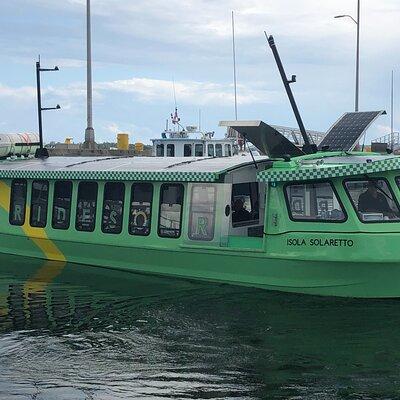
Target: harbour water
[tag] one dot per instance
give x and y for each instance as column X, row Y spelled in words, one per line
column 80, row 332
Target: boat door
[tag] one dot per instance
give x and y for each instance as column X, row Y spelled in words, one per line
column 209, row 211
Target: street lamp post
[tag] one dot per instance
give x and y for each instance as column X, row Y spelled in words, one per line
column 89, row 132
column 42, row 152
column 357, row 22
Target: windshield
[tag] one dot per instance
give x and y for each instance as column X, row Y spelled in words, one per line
column 373, row 200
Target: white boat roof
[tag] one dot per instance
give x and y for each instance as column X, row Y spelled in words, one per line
column 126, row 168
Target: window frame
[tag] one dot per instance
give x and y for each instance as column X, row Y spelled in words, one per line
column 160, row 146
column 185, row 146
column 181, row 214
column 170, row 146
column 122, row 211
column 95, row 209
column 12, row 198
column 191, row 213
column 210, row 145
column 53, row 205
column 219, row 146
column 151, row 207
column 196, row 146
column 369, row 179
column 47, row 204
column 323, row 221
column 250, row 222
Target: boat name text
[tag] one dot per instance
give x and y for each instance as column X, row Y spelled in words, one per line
column 320, row 242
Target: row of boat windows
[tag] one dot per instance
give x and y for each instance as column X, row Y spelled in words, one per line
column 372, row 199
column 197, row 150
column 141, row 198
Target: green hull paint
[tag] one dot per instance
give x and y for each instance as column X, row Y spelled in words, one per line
column 330, row 278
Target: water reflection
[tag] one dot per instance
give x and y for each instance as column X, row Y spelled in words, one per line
column 69, row 331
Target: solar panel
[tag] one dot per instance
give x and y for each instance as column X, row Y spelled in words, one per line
column 347, row 131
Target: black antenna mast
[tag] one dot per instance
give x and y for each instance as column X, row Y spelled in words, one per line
column 308, row 147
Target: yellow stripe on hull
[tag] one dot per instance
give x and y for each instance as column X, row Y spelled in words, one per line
column 44, row 276
column 37, row 235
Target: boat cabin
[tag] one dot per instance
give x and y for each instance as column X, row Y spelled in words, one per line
column 205, row 199
column 185, row 146
column 191, row 141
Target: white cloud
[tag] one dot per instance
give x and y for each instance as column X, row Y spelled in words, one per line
column 188, row 92
column 21, row 94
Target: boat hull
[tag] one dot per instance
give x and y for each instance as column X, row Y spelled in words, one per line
column 244, row 267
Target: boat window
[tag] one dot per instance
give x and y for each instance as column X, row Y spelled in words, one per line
column 18, row 202
column 202, row 213
column 140, row 212
column 245, row 204
column 210, row 148
column 187, row 150
column 170, row 217
column 198, row 150
column 62, row 204
column 218, row 150
column 373, row 200
column 113, row 207
column 39, row 202
column 160, row 150
column 314, row 202
column 170, row 150
column 228, row 151
column 86, row 207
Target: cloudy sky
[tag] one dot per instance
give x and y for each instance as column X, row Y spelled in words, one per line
column 141, row 46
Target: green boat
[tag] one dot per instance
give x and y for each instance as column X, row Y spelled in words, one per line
column 302, row 224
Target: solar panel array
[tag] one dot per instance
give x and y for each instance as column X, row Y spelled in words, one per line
column 345, row 133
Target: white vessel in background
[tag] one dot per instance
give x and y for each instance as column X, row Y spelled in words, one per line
column 18, row 144
column 191, row 141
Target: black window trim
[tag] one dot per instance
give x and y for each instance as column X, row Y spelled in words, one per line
column 122, row 211
column 95, row 209
column 161, row 146
column 151, row 207
column 250, row 222
column 196, row 146
column 170, row 146
column 208, row 150
column 368, row 178
column 53, row 204
column 322, row 221
column 182, row 211
column 188, row 145
column 12, row 198
column 47, row 204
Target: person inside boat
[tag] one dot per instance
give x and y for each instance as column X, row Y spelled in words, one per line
column 374, row 201
column 239, row 213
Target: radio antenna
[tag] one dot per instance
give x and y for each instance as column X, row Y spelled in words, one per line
column 173, row 87
column 308, row 147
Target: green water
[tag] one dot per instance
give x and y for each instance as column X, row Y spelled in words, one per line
column 79, row 332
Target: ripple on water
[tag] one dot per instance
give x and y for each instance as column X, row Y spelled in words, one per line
column 99, row 334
